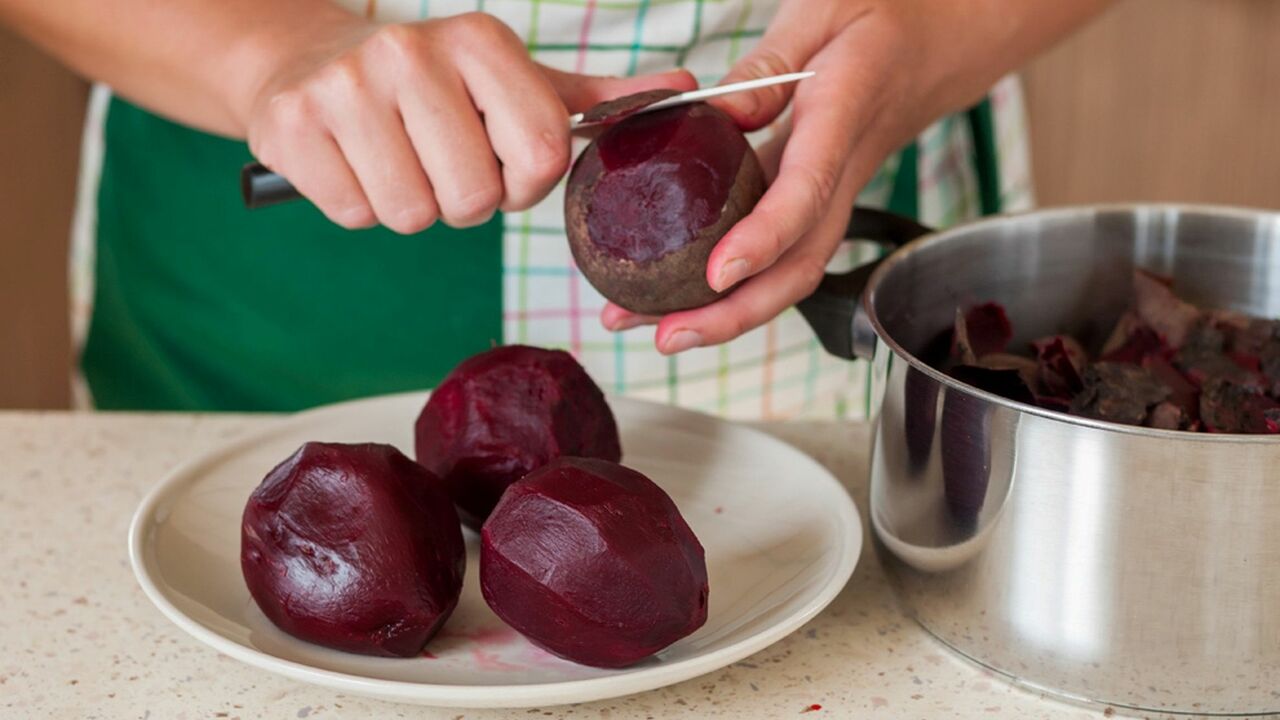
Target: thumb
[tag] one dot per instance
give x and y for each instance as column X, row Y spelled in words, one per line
column 581, row 92
column 787, row 46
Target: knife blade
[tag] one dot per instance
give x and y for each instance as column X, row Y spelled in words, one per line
column 576, row 120
column 260, row 187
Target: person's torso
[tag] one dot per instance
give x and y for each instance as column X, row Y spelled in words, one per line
column 199, row 304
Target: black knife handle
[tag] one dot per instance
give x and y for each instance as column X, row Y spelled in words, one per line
column 262, row 188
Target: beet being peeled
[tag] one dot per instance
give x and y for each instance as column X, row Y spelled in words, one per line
column 593, row 562
column 504, row 413
column 648, row 200
column 354, row 547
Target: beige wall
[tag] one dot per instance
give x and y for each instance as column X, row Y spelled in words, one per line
column 1159, row 100
column 1162, row 100
column 41, row 107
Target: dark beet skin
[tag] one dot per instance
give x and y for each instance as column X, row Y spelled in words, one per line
column 354, row 547
column 1118, row 392
column 593, row 562
column 1182, row 393
column 504, row 413
column 649, row 199
column 1229, row 407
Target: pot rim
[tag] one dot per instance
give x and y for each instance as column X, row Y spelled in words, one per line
column 939, row 236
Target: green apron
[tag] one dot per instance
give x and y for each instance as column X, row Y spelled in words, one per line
column 200, row 304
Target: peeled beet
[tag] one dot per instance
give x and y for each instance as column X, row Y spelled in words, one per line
column 354, row 547
column 593, row 562
column 649, row 199
column 504, row 413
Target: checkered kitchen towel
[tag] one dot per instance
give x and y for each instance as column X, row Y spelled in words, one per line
column 776, row 371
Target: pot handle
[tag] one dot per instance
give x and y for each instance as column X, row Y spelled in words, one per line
column 834, row 310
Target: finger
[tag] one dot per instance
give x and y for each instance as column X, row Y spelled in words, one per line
column 527, row 129
column 450, row 142
column 812, row 164
column 581, row 92
column 794, row 36
column 757, row 301
column 375, row 144
column 618, row 319
column 313, row 163
column 764, row 296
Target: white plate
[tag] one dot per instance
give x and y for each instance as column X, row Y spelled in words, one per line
column 782, row 538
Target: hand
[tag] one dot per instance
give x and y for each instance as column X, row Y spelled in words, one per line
column 885, row 70
column 406, row 124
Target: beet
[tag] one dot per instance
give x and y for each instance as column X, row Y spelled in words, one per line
column 648, row 200
column 1059, row 362
column 1182, row 393
column 989, row 329
column 1168, row 416
column 1160, row 309
column 354, row 547
column 1121, row 333
column 504, row 413
column 1251, row 336
column 1140, row 343
column 1203, row 356
column 593, row 562
column 1229, row 407
column 1119, row 393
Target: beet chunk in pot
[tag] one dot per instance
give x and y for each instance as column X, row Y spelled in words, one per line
column 1118, row 392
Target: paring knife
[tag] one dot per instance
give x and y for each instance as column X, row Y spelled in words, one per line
column 260, row 187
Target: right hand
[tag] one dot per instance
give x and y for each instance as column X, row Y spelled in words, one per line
column 406, row 124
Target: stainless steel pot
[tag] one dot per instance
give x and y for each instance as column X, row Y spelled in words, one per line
column 1121, row 565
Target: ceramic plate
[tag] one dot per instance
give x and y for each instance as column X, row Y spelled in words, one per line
column 781, row 536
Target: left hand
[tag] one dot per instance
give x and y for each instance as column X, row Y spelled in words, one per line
column 885, row 70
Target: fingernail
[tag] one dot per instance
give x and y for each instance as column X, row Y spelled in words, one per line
column 682, row 340
column 732, row 273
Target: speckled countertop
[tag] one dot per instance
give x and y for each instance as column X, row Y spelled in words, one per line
column 79, row 640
